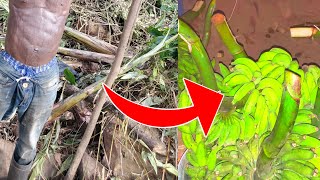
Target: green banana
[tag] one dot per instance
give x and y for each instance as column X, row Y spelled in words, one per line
column 261, row 105
column 212, row 159
column 214, row 133
column 243, row 69
column 290, row 175
column 304, row 129
column 294, row 66
column 267, row 56
column 271, row 83
column 237, row 80
column 233, row 91
column 279, row 50
column 263, row 124
column 251, row 102
column 282, row 59
column 248, row 62
column 263, row 63
column 250, row 124
column 243, row 91
column 298, row 154
column 277, row 72
column 223, row 168
column 299, row 168
column 234, row 133
column 224, row 70
column 189, row 141
column 201, row 154
column 265, row 70
column 272, row 100
column 192, row 159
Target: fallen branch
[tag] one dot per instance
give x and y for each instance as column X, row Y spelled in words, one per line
column 91, row 42
column 115, row 69
column 88, row 55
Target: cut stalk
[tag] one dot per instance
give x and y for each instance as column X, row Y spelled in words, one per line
column 207, row 23
column 199, row 55
column 304, row 32
column 193, row 13
column 219, row 21
column 287, row 114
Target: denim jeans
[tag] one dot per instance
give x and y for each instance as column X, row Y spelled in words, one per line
column 30, row 92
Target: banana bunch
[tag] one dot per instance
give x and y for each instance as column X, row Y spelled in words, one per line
column 310, row 86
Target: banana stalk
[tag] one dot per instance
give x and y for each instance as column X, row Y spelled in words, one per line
column 219, row 21
column 194, row 12
column 207, row 23
column 199, row 55
column 284, row 124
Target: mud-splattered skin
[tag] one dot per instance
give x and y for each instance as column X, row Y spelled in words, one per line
column 35, row 28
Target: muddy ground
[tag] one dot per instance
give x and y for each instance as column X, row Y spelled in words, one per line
column 260, row 25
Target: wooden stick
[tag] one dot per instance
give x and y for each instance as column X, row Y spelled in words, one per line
column 91, row 42
column 115, row 69
column 86, row 55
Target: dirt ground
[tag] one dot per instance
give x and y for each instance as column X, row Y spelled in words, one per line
column 260, row 25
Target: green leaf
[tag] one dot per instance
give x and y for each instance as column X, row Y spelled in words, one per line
column 69, row 76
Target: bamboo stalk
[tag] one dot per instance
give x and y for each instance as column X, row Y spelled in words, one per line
column 199, row 55
column 87, row 55
column 304, row 32
column 219, row 21
column 207, row 23
column 72, row 100
column 193, row 13
column 91, row 42
column 285, row 121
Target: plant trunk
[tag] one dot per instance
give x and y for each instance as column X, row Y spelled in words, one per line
column 199, row 55
column 285, row 121
column 193, row 13
column 219, row 21
column 207, row 23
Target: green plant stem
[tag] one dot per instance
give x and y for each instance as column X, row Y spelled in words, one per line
column 207, row 23
column 199, row 55
column 287, row 114
column 220, row 23
column 193, row 13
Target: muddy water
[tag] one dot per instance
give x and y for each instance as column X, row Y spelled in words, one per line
column 262, row 24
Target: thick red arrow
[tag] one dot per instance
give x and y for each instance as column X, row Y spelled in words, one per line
column 206, row 103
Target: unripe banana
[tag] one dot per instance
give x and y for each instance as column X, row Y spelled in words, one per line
column 243, row 91
column 243, row 69
column 248, row 62
column 189, row 141
column 272, row 100
column 193, row 126
column 212, row 158
column 272, row 120
column 290, row 175
column 246, row 153
column 311, row 81
column 265, row 70
column 237, row 171
column 304, row 129
column 233, row 91
column 299, row 168
column 282, row 59
column 251, row 102
column 234, row 133
column 192, row 159
column 201, row 154
column 237, row 80
column 263, row 124
column 184, row 100
column 277, row 72
column 242, row 125
column 267, row 56
column 224, row 70
column 223, row 136
column 294, row 66
column 250, row 124
column 298, row 154
column 261, row 105
column 315, row 70
column 271, row 83
column 263, row 63
column 254, row 146
column 215, row 132
column 279, row 50
column 310, row 142
column 223, row 168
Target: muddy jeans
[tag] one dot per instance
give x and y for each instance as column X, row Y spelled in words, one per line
column 30, row 92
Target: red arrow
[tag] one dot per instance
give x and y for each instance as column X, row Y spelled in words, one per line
column 206, row 103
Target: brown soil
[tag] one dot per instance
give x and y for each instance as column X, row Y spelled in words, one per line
column 260, row 25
